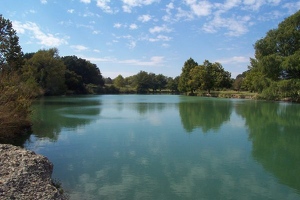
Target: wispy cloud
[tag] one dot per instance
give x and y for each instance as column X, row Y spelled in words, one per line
column 292, row 7
column 70, row 11
column 44, row 1
column 159, row 29
column 234, row 59
column 153, row 61
column 79, row 48
column 201, row 8
column 235, row 25
column 85, row 1
column 133, row 26
column 104, row 5
column 33, row 29
column 129, row 4
column 160, row 38
column 144, row 18
column 117, row 25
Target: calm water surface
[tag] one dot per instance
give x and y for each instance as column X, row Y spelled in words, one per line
column 169, row 147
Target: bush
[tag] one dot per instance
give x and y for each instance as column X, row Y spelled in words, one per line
column 15, row 101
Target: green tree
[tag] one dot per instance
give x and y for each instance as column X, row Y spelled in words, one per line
column 185, row 76
column 172, row 84
column 89, row 72
column 209, row 76
column 277, row 58
column 142, row 82
column 11, row 55
column 119, row 81
column 161, row 81
column 16, row 92
column 48, row 70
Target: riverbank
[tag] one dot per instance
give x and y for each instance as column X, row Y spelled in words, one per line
column 26, row 175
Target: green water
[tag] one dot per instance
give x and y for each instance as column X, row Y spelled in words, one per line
column 169, row 147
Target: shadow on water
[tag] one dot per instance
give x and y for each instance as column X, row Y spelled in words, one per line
column 50, row 115
column 274, row 132
column 205, row 114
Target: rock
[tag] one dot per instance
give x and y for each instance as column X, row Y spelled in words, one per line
column 26, row 175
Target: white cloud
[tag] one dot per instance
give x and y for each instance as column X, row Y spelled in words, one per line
column 129, row 4
column 292, row 7
column 79, row 47
column 85, row 1
column 103, row 4
column 131, row 44
column 45, row 39
column 234, row 59
column 159, row 29
column 144, row 18
column 154, row 61
column 160, row 38
column 117, row 25
column 70, row 11
column 133, row 26
column 235, row 26
column 43, row 1
column 202, row 8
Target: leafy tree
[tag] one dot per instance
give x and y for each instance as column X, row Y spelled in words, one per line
column 119, row 81
column 172, row 84
column 277, row 58
column 48, row 70
column 185, row 76
column 209, row 76
column 161, row 81
column 16, row 92
column 142, row 82
column 10, row 50
column 89, row 72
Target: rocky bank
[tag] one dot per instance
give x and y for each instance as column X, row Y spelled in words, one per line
column 26, row 175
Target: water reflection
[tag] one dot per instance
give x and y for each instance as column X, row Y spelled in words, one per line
column 204, row 113
column 137, row 147
column 50, row 115
column 274, row 132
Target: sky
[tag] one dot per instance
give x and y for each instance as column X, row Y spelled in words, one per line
column 124, row 37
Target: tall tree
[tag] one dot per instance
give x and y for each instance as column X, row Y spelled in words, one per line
column 185, row 76
column 48, row 70
column 278, row 53
column 10, row 50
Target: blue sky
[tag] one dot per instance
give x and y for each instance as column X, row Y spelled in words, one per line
column 127, row 36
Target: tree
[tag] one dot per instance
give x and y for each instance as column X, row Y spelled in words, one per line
column 277, row 54
column 161, row 81
column 209, row 76
column 48, row 70
column 119, row 81
column 185, row 76
column 142, row 82
column 172, row 84
column 89, row 72
column 10, row 50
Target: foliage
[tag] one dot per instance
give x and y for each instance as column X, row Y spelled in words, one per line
column 86, row 72
column 277, row 62
column 185, row 76
column 204, row 77
column 119, row 81
column 10, row 50
column 48, row 70
column 15, row 102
